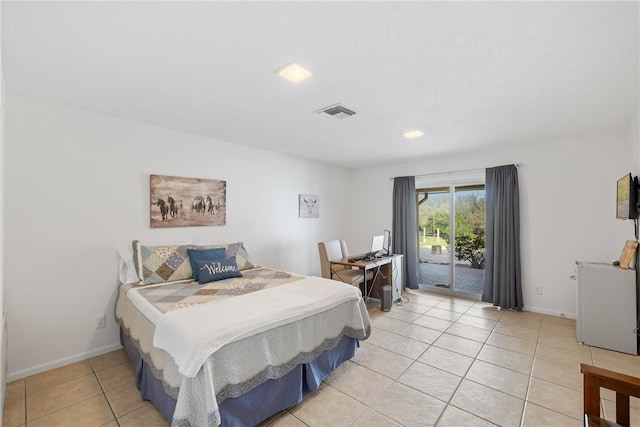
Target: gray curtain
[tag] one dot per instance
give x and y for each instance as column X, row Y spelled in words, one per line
column 502, row 281
column 405, row 227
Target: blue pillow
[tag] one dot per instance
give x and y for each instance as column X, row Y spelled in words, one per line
column 204, row 255
column 217, row 269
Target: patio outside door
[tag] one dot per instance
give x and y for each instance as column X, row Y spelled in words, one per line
column 451, row 238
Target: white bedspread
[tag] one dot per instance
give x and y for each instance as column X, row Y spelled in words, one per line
column 193, row 334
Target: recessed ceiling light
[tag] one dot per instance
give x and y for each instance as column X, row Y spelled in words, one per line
column 412, row 134
column 294, row 73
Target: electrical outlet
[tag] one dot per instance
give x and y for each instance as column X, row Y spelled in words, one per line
column 538, row 290
column 101, row 322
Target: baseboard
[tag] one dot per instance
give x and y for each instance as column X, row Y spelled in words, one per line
column 551, row 312
column 12, row 376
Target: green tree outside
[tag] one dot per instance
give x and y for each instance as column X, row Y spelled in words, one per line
column 470, row 223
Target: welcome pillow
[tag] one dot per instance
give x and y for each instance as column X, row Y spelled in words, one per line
column 217, row 269
column 204, row 255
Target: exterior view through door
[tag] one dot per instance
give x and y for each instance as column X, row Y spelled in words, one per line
column 451, row 234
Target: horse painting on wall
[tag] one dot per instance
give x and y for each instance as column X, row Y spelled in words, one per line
column 187, row 202
column 309, row 206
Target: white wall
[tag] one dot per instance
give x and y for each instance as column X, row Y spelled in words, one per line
column 77, row 188
column 567, row 188
column 634, row 140
column 2, row 114
column 77, row 185
column 3, row 338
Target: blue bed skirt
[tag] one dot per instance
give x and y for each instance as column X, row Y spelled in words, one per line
column 258, row 404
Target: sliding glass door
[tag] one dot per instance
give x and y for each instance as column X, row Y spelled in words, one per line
column 434, row 249
column 451, row 238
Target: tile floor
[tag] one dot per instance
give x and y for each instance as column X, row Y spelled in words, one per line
column 433, row 360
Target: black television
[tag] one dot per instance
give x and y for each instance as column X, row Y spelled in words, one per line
column 627, row 197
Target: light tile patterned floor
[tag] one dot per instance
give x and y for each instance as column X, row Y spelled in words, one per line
column 433, row 360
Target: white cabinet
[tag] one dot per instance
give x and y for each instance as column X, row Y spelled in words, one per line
column 607, row 307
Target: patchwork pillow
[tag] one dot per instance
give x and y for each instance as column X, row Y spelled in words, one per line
column 217, row 269
column 157, row 264
column 204, row 255
column 237, row 250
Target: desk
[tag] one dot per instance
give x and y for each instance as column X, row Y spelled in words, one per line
column 386, row 271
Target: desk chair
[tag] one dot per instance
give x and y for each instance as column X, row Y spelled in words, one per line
column 337, row 249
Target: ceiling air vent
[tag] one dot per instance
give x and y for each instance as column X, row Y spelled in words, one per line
column 338, row 111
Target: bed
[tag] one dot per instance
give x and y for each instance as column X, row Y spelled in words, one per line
column 232, row 351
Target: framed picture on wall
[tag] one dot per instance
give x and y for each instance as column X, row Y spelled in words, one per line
column 309, row 206
column 187, row 202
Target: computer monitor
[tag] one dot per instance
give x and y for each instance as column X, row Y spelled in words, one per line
column 377, row 244
column 386, row 246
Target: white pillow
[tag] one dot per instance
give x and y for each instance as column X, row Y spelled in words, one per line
column 127, row 272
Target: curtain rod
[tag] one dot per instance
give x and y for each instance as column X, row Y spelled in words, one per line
column 519, row 164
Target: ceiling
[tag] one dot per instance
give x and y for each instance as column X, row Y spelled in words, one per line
column 470, row 75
